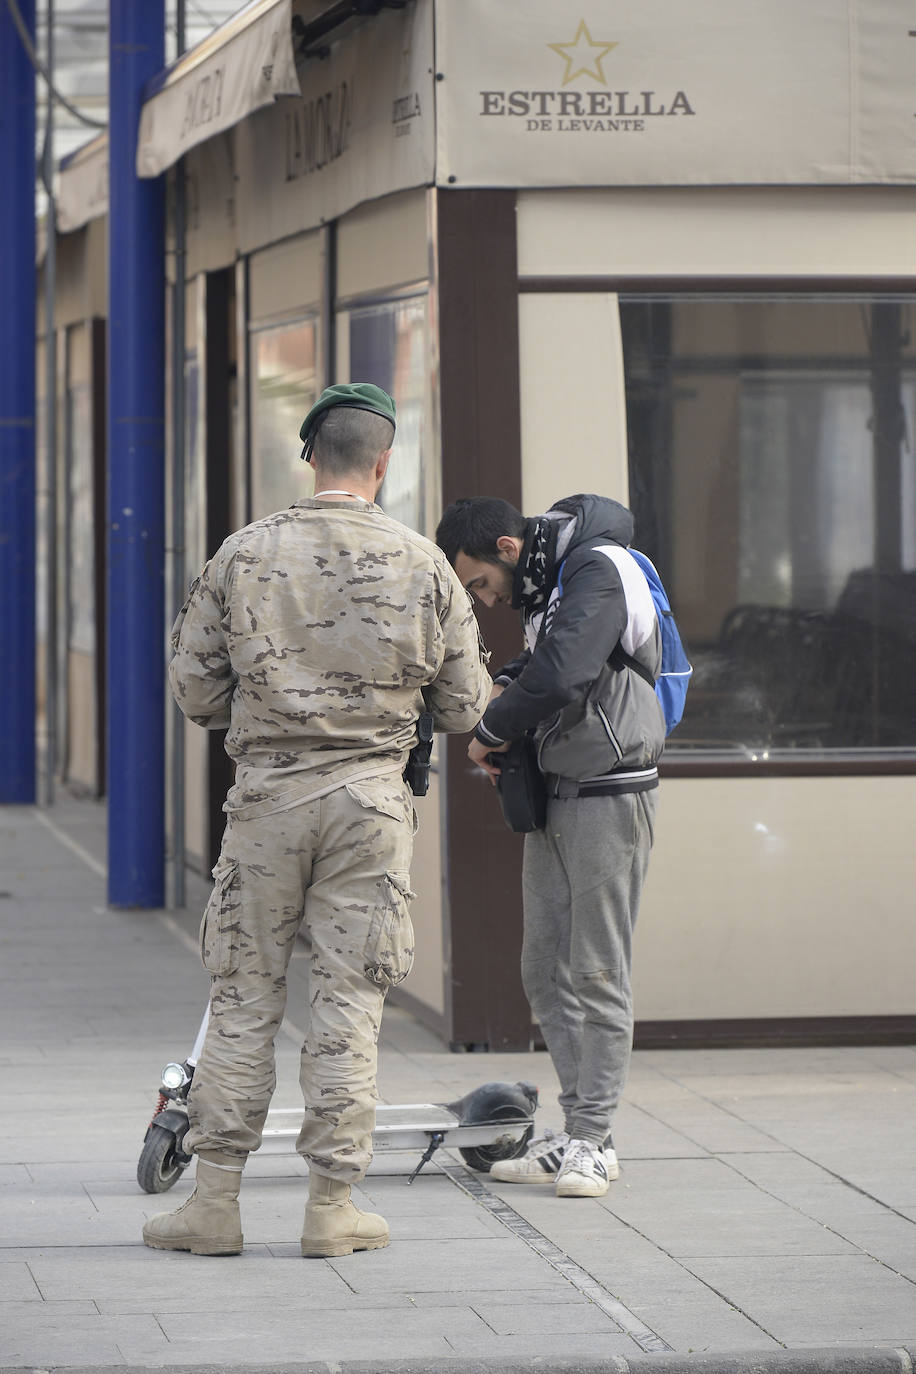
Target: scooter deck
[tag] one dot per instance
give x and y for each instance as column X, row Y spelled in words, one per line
column 405, row 1126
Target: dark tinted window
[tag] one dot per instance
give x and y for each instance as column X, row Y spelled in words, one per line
column 772, row 479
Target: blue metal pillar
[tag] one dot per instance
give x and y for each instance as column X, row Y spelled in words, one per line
column 136, row 480
column 17, row 409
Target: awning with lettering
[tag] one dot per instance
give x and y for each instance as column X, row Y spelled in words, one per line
column 82, row 190
column 363, row 127
column 659, row 93
column 242, row 66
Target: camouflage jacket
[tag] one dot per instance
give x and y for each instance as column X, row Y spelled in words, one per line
column 316, row 635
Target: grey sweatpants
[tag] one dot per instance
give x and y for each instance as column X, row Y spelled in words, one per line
column 583, row 876
column 337, row 866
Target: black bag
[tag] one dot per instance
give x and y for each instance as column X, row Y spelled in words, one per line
column 522, row 790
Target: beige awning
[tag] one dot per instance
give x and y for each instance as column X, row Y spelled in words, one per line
column 242, row 66
column 82, row 192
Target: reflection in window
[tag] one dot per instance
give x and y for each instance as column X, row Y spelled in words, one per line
column 388, row 346
column 772, row 480
column 81, row 617
column 284, row 388
column 195, row 495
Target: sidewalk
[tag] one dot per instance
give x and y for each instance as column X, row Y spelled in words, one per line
column 765, row 1218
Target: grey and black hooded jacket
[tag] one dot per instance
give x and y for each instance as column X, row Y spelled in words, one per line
column 598, row 725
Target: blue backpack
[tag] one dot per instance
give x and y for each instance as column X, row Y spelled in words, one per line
column 674, row 678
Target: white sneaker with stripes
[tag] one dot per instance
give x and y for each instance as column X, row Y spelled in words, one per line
column 539, row 1164
column 586, row 1170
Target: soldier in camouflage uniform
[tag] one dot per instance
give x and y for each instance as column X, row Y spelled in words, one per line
column 317, row 635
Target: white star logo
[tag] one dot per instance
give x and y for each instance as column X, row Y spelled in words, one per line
column 583, row 56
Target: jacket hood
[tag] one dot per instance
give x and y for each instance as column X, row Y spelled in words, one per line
column 585, row 517
column 551, row 537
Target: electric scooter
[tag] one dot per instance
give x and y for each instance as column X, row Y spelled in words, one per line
column 492, row 1122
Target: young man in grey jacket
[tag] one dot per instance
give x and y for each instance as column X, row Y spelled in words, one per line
column 588, row 617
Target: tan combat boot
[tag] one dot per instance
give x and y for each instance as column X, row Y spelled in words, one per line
column 209, row 1222
column 334, row 1225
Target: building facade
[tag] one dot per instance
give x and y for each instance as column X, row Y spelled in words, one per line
column 664, row 256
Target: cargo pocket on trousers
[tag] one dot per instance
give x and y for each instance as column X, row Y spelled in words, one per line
column 389, row 943
column 219, row 929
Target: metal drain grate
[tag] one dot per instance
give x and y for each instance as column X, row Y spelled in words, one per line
column 589, row 1287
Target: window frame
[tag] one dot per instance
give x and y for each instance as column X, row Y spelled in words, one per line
column 287, row 319
column 712, row 763
column 420, row 290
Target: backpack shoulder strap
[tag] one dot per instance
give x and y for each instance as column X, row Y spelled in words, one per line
column 621, row 659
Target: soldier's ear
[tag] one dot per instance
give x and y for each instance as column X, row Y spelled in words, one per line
column 381, row 466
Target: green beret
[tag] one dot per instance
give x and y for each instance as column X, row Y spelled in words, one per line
column 353, row 395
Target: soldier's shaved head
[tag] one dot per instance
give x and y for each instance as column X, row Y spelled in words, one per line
column 351, row 441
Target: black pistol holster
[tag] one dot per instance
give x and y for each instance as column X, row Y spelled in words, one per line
column 416, row 772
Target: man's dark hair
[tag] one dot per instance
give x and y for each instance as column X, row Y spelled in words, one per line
column 350, row 441
column 473, row 525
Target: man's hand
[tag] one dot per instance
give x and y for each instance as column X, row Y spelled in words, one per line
column 478, row 753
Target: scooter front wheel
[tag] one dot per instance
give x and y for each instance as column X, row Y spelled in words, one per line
column 161, row 1162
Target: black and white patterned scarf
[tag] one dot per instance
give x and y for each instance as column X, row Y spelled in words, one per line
column 534, row 570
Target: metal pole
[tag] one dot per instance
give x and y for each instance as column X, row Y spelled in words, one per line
column 179, row 571
column 136, row 498
column 52, row 665
column 17, row 409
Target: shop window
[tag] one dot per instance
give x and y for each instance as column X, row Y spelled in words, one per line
column 388, row 346
column 773, row 480
column 195, row 501
column 284, row 387
column 81, row 582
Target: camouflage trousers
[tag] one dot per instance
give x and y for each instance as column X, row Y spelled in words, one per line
column 337, row 867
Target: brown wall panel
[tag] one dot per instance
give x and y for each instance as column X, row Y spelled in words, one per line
column 100, row 478
column 218, row 355
column 481, row 456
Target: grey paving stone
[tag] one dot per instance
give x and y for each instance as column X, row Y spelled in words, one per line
column 701, row 1134
column 655, row 1287
column 162, row 1275
column 536, row 1319
column 13, row 1177
column 682, row 1309
column 65, row 884
column 16, row 1282
column 14, row 1060
column 692, row 1207
column 698, row 1067
column 534, row 1350
column 639, row 1134
column 292, row 1295
column 893, row 1183
column 781, row 1172
column 556, row 1292
column 45, row 1316
column 381, row 1349
column 137, row 1338
column 432, row 1265
column 473, row 1225
column 250, row 1323
column 88, row 1230
column 709, row 1128
column 890, row 1239
column 41, row 1349
column 825, row 1299
column 752, row 1226
column 831, row 1202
